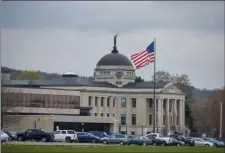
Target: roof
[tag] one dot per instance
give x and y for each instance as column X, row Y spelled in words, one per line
column 78, row 82
column 5, row 70
column 114, row 59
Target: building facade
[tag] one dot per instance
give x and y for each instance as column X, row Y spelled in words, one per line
column 111, row 101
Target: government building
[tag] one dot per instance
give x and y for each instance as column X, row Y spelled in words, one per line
column 110, row 101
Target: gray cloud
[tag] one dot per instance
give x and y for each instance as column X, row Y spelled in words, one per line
column 62, row 36
column 116, row 16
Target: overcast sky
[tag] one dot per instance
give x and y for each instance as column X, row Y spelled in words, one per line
column 63, row 36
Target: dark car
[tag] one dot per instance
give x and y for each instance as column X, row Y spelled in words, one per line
column 216, row 143
column 175, row 142
column 35, row 134
column 99, row 134
column 179, row 137
column 139, row 140
column 12, row 135
column 87, row 137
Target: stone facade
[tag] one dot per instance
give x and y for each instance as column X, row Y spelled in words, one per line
column 108, row 105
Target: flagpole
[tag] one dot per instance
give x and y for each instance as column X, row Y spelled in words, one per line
column 154, row 103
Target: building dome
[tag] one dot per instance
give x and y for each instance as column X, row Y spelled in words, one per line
column 69, row 74
column 114, row 59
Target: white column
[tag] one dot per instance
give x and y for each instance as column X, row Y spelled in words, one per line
column 160, row 111
column 174, row 112
column 183, row 112
column 111, row 109
column 180, row 113
column 167, row 115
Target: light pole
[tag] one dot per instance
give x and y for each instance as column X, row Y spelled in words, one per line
column 35, row 123
column 221, row 118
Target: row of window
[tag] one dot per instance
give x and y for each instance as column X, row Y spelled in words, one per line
column 102, row 114
column 133, row 120
column 108, row 73
column 123, row 102
column 150, row 101
column 40, row 100
column 123, row 119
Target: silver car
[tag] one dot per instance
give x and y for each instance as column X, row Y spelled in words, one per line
column 203, row 143
column 115, row 139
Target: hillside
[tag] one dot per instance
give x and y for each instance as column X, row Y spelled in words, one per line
column 200, row 95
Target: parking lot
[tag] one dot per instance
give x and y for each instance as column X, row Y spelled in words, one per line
column 52, row 143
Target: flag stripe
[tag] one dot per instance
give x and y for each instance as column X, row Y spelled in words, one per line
column 141, row 56
column 144, row 57
column 148, row 60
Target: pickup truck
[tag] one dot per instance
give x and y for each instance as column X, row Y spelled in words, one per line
column 156, row 136
column 35, row 134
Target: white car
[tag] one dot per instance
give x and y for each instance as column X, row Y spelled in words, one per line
column 65, row 136
column 4, row 137
column 203, row 143
column 157, row 136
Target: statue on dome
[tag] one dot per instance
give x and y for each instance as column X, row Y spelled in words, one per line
column 115, row 40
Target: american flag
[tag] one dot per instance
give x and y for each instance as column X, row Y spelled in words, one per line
column 144, row 57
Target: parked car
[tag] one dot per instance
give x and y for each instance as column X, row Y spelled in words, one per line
column 179, row 137
column 35, row 134
column 157, row 142
column 4, row 137
column 99, row 134
column 116, row 139
column 139, row 140
column 12, row 135
column 201, row 142
column 87, row 137
column 216, row 143
column 175, row 142
column 157, row 136
column 65, row 136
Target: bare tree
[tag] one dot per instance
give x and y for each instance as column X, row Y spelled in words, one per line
column 9, row 108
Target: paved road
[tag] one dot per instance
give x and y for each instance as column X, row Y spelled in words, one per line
column 52, row 143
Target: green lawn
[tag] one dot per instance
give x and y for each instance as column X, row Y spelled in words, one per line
column 9, row 148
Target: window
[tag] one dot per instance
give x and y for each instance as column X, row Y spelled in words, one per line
column 113, row 115
column 121, row 136
column 164, row 119
column 102, row 101
column 164, row 104
column 150, row 100
column 133, row 119
column 89, row 101
column 108, row 101
column 102, row 114
column 57, row 132
column 123, row 119
column 132, row 133
column 96, row 114
column 150, row 119
column 170, row 106
column 157, row 104
column 96, row 101
column 133, row 102
column 107, row 114
column 63, row 132
column 70, row 132
column 123, row 102
column 114, row 102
